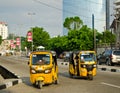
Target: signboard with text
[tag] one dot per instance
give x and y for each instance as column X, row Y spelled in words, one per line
column 18, row 41
column 29, row 36
column 12, row 45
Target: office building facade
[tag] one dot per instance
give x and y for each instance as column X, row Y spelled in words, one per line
column 3, row 30
column 85, row 9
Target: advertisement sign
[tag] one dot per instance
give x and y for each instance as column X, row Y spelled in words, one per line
column 18, row 41
column 29, row 36
column 12, row 45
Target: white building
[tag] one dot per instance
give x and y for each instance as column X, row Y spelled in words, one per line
column 3, row 30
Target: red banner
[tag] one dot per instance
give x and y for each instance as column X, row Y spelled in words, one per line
column 18, row 41
column 29, row 36
column 12, row 44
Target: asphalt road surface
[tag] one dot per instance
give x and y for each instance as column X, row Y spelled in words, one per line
column 103, row 82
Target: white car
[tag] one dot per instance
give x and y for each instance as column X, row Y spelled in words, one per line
column 109, row 57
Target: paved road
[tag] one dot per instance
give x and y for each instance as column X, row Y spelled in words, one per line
column 104, row 82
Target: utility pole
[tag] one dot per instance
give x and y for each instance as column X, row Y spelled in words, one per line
column 107, row 15
column 31, row 14
column 94, row 34
column 20, row 26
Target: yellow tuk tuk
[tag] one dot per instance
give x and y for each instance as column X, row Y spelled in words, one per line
column 83, row 64
column 43, row 68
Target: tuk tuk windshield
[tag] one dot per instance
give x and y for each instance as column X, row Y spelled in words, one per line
column 40, row 59
column 88, row 57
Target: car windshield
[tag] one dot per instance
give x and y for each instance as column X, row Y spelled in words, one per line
column 87, row 57
column 116, row 52
column 40, row 59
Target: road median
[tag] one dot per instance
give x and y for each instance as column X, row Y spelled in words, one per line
column 7, row 78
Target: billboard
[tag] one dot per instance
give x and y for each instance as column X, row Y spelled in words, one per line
column 12, row 45
column 29, row 36
column 18, row 41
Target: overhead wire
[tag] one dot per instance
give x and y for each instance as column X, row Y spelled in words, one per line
column 82, row 9
column 38, row 1
column 92, row 2
column 71, row 12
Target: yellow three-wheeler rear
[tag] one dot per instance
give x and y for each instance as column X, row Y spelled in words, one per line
column 83, row 64
column 43, row 68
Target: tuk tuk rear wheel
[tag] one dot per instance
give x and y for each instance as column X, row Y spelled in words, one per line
column 40, row 85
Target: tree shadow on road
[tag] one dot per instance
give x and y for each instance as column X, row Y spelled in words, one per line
column 26, row 80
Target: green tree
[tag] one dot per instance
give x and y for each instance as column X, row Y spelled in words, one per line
column 40, row 38
column 108, row 37
column 73, row 23
column 80, row 39
column 58, row 44
column 23, row 43
column 0, row 40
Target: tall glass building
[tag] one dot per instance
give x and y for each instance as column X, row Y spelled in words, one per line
column 84, row 9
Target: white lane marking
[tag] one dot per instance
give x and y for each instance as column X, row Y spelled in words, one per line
column 110, row 85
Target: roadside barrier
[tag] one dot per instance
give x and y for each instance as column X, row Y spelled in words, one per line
column 99, row 68
column 10, row 79
column 109, row 69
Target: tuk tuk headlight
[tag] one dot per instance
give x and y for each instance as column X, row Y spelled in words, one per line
column 84, row 66
column 33, row 71
column 47, row 71
column 94, row 65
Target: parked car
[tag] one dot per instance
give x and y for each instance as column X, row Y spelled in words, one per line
column 109, row 57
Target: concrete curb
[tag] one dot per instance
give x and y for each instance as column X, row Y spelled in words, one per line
column 10, row 83
column 99, row 68
column 10, row 78
column 109, row 69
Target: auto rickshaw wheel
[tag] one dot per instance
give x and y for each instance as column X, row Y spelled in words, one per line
column 90, row 77
column 40, row 85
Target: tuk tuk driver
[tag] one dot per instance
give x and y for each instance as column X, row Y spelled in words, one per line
column 41, row 62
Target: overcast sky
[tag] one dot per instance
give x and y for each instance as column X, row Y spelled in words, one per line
column 44, row 13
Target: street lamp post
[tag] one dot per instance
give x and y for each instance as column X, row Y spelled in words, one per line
column 20, row 26
column 94, row 34
column 31, row 14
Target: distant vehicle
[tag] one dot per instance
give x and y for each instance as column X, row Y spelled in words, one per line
column 109, row 57
column 66, row 56
column 83, row 64
column 2, row 53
